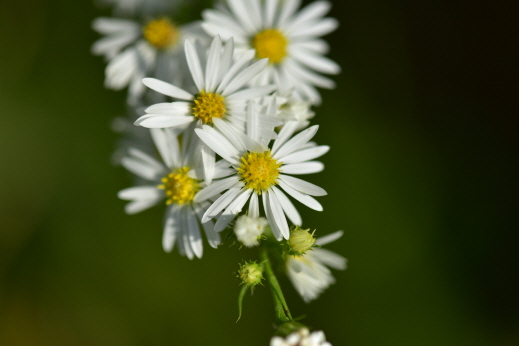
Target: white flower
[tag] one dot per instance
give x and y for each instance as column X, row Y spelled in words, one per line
column 220, row 93
column 248, row 229
column 288, row 37
column 135, row 50
column 309, row 273
column 176, row 179
column 141, row 7
column 256, row 170
column 302, row 337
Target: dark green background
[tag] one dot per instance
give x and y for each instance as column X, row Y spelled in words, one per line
column 421, row 177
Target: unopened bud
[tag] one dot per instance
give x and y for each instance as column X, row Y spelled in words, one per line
column 249, row 229
column 300, row 241
column 251, row 273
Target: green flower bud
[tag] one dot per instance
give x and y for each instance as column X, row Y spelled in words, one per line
column 251, row 273
column 300, row 241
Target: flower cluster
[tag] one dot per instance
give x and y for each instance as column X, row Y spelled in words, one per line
column 221, row 109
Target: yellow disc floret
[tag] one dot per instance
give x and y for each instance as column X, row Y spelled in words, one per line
column 161, row 33
column 272, row 44
column 208, row 106
column 179, row 187
column 259, row 171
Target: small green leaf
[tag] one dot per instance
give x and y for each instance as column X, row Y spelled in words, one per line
column 240, row 300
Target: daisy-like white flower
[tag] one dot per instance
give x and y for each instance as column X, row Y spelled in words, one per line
column 309, row 273
column 302, row 337
column 176, row 180
column 135, row 50
column 141, row 7
column 287, row 37
column 256, row 172
column 220, row 93
column 248, row 229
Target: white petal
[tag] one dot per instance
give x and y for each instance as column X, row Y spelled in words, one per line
column 254, row 206
column 277, row 213
column 167, row 147
column 307, row 200
column 305, row 154
column 270, row 12
column 234, row 208
column 138, row 206
column 329, row 238
column 195, row 239
column 177, row 108
column 220, row 204
column 245, row 76
column 167, row 89
column 162, row 120
column 310, row 12
column 296, row 142
column 242, row 60
column 212, row 68
column 219, row 144
column 286, row 132
column 320, row 28
column 194, row 65
column 171, row 227
column 251, row 93
column 288, row 207
column 212, row 237
column 287, row 10
column 108, row 25
column 147, row 159
column 242, row 14
column 142, row 169
column 215, row 188
column 208, row 163
column 268, row 212
column 330, row 258
column 141, row 193
column 316, row 62
column 303, row 186
column 235, row 138
column 308, row 167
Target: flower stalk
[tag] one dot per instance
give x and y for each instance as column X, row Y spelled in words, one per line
column 280, row 305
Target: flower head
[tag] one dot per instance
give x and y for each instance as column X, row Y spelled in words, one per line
column 300, row 241
column 175, row 180
column 257, row 170
column 251, row 273
column 302, row 337
column 287, row 36
column 309, row 273
column 248, row 229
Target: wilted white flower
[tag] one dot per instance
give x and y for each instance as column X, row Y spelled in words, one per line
column 136, row 50
column 309, row 273
column 248, row 229
column 288, row 37
column 302, row 337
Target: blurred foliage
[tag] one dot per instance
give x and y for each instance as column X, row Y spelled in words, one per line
column 420, row 178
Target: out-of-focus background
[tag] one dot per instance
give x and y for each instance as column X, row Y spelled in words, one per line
column 421, row 177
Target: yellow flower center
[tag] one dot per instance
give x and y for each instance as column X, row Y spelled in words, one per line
column 179, row 187
column 259, row 171
column 272, row 44
column 208, row 106
column 161, row 33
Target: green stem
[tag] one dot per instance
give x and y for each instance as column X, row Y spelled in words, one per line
column 280, row 305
